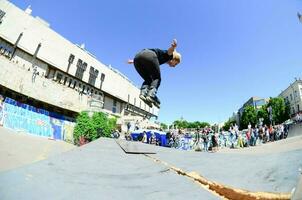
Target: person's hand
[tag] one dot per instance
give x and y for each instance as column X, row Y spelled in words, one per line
column 174, row 43
column 130, row 61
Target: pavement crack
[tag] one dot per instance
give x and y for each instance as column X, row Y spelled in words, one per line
column 221, row 190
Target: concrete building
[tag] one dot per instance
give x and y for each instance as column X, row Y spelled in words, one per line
column 40, row 67
column 293, row 95
column 256, row 102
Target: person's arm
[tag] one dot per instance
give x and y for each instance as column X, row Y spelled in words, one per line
column 173, row 47
column 130, row 61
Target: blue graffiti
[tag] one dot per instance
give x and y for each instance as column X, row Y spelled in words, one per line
column 23, row 117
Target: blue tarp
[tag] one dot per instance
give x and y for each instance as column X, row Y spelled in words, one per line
column 161, row 136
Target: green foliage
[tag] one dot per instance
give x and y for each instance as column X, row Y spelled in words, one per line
column 163, row 126
column 180, row 124
column 204, row 124
column 186, row 124
column 280, row 110
column 249, row 115
column 93, row 128
column 262, row 113
column 228, row 124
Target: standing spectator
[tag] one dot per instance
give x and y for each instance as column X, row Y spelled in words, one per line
column 205, row 141
column 267, row 135
column 282, row 131
column 252, row 137
column 248, row 136
column 240, row 141
column 232, row 137
column 256, row 136
column 271, row 133
column 152, row 139
column 144, row 139
column 214, row 142
column 35, row 73
column 136, row 125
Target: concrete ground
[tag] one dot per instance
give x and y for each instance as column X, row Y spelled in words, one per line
column 102, row 170
column 19, row 149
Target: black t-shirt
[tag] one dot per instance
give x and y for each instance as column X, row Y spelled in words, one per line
column 162, row 55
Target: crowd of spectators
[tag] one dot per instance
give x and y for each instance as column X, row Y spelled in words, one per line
column 208, row 140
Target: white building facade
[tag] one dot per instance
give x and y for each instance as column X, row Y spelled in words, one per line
column 293, row 95
column 39, row 64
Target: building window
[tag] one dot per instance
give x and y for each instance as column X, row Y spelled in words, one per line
column 93, row 74
column 70, row 82
column 81, row 67
column 74, row 84
column 287, row 101
column 79, row 87
column 59, row 77
column 83, row 90
column 296, row 94
column 65, row 80
column 293, row 110
column 2, row 13
column 114, row 106
column 71, row 58
column 291, row 97
column 298, row 108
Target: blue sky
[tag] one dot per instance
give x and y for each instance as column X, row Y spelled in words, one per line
column 232, row 49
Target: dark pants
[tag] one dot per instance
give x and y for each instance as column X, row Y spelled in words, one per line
column 147, row 65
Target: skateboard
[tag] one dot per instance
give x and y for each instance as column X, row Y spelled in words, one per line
column 149, row 103
column 146, row 102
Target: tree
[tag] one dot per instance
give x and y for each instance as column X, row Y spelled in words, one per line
column 204, row 124
column 99, row 125
column 280, row 110
column 186, row 124
column 228, row 124
column 262, row 113
column 249, row 115
column 181, row 124
column 163, row 126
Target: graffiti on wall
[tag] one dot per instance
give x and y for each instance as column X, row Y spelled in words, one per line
column 23, row 117
column 1, row 110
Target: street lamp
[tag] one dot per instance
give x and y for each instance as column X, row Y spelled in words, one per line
column 261, row 121
column 270, row 112
column 299, row 17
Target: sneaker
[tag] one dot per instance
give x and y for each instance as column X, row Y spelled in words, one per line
column 144, row 92
column 151, row 97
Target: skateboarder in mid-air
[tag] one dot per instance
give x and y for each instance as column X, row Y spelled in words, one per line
column 147, row 64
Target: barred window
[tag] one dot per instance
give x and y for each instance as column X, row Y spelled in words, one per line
column 81, row 67
column 114, row 106
column 2, row 13
column 93, row 74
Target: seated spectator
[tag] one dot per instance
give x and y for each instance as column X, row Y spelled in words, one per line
column 144, row 139
column 152, row 139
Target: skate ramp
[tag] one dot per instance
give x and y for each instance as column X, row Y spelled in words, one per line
column 98, row 170
column 132, row 147
column 102, row 170
column 298, row 190
column 295, row 130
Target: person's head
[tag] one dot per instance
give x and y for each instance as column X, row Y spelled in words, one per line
column 175, row 60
